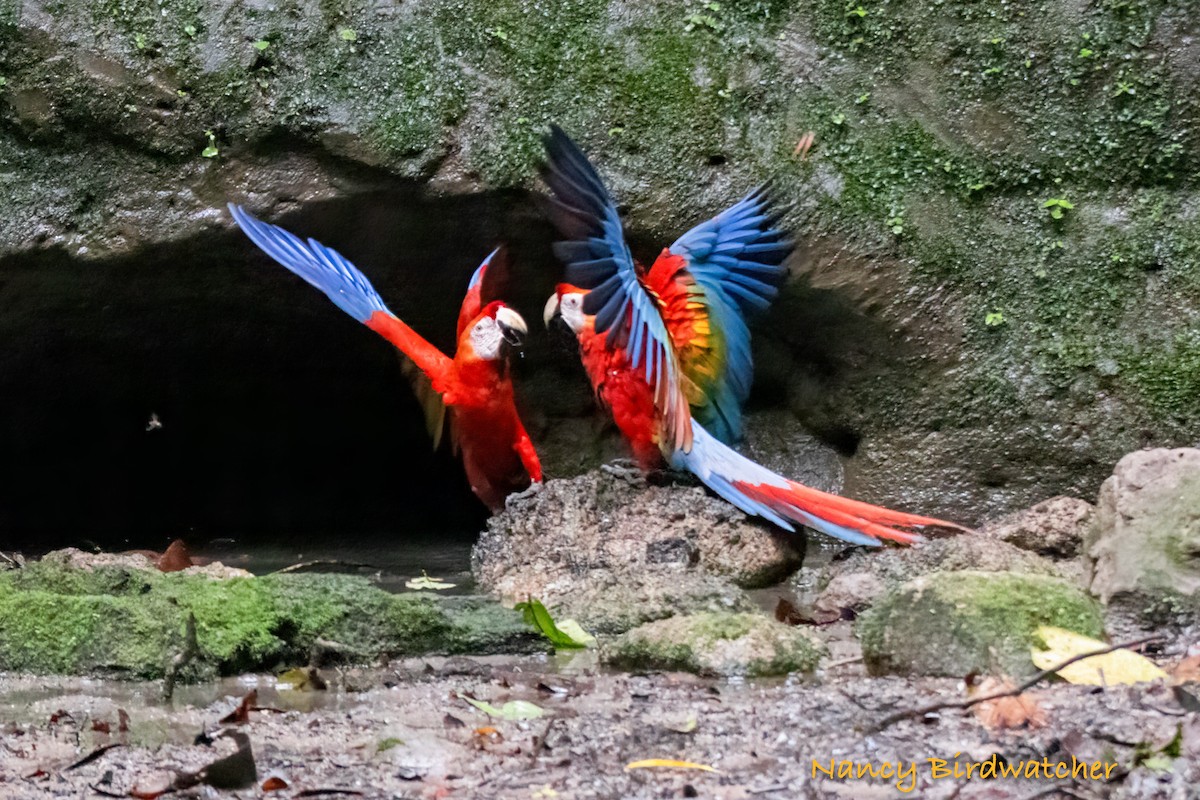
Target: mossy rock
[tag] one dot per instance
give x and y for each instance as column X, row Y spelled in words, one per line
column 715, row 643
column 954, row 623
column 125, row 622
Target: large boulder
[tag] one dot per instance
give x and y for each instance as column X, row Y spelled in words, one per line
column 617, row 550
column 1144, row 548
column 858, row 578
column 954, row 623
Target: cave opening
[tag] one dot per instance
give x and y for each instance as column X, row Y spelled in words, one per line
column 282, row 419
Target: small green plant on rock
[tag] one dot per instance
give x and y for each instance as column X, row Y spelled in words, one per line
column 210, row 151
column 701, row 19
column 1058, row 206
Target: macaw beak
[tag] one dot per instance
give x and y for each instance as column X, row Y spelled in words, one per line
column 512, row 326
column 551, row 310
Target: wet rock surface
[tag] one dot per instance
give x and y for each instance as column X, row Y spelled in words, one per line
column 1053, row 528
column 747, row 645
column 1144, row 548
column 615, row 550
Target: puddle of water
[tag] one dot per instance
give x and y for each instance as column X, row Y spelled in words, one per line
column 386, row 565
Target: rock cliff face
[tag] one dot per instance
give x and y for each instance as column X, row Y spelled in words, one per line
column 995, row 294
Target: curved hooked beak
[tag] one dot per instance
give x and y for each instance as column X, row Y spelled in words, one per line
column 512, row 326
column 551, row 310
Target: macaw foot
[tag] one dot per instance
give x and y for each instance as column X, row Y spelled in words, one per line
column 517, row 497
column 626, row 469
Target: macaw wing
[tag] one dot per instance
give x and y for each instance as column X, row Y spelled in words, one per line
column 349, row 289
column 598, row 260
column 696, row 321
column 737, row 257
column 487, row 284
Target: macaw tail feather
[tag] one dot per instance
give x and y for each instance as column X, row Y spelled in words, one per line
column 758, row 491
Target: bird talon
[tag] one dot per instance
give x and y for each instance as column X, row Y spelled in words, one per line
column 524, row 494
column 626, row 470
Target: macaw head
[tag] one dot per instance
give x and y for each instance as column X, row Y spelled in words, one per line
column 566, row 304
column 495, row 329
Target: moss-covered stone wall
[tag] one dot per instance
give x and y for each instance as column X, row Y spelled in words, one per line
column 1000, row 217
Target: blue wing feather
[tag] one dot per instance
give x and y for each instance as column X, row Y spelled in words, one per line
column 600, row 262
column 320, row 266
column 737, row 257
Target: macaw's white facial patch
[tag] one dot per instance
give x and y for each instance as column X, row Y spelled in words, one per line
column 487, row 339
column 570, row 308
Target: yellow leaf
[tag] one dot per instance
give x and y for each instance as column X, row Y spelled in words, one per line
column 1109, row 669
column 669, row 764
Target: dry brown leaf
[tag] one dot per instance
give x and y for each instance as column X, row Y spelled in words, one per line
column 241, row 714
column 1187, row 670
column 274, row 784
column 1017, row 711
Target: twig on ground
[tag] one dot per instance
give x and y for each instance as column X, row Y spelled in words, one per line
column 303, row 565
column 843, row 662
column 92, row 756
column 1036, row 679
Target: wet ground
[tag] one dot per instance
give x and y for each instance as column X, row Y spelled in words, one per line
column 406, row 730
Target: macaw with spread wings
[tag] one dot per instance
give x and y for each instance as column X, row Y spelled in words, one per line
column 471, row 393
column 667, row 349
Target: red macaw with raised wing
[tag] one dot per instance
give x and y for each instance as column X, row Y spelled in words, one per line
column 473, row 389
column 668, row 351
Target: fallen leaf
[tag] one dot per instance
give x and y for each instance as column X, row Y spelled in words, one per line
column 241, row 714
column 486, row 730
column 122, row 721
column 274, row 784
column 100, row 726
column 666, row 763
column 1187, row 701
column 513, row 710
column 536, row 615
column 1109, row 669
column 1187, row 670
column 425, row 582
column 787, row 613
column 1016, row 711
column 573, row 629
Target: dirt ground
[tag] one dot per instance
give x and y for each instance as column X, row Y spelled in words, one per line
column 406, row 731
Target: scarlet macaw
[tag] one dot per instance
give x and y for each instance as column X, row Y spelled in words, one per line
column 474, row 386
column 668, row 351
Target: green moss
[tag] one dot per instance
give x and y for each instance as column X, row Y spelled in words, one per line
column 716, row 643
column 129, row 623
column 953, row 623
column 1168, row 377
